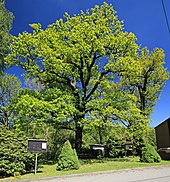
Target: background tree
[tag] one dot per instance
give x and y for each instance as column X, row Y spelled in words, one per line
column 9, row 89
column 96, row 132
column 115, row 143
column 6, row 19
column 147, row 86
column 29, row 113
column 56, row 139
column 76, row 55
column 34, row 109
column 151, row 137
column 33, row 84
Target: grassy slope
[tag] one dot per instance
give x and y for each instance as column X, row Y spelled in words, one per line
column 88, row 166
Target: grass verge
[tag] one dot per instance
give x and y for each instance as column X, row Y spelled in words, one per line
column 88, row 166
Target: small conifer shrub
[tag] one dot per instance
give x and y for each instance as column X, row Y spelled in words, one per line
column 68, row 158
column 149, row 154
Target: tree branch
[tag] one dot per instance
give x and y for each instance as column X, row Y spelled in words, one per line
column 97, row 83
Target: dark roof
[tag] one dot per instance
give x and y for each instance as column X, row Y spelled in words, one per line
column 97, row 145
column 167, row 120
column 128, row 143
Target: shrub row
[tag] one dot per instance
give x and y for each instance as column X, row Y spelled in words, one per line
column 13, row 155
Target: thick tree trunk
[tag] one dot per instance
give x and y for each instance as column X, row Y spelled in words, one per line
column 78, row 142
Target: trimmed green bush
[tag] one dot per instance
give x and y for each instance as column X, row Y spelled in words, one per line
column 149, row 154
column 68, row 158
column 13, row 155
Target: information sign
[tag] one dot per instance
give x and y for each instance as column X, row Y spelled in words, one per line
column 37, row 145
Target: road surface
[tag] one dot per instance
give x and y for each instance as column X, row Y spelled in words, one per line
column 147, row 174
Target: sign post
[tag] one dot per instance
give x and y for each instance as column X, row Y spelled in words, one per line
column 36, row 158
column 37, row 145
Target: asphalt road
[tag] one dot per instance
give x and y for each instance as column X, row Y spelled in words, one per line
column 147, row 174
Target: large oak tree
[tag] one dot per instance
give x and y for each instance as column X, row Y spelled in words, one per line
column 85, row 57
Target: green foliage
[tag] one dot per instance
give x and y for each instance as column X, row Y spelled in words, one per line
column 17, row 175
column 6, row 19
column 151, row 137
column 152, row 78
column 13, row 155
column 115, row 143
column 140, row 133
column 78, row 54
column 116, row 147
column 33, row 110
column 148, row 83
column 90, row 67
column 9, row 89
column 149, row 154
column 29, row 114
column 68, row 158
column 97, row 133
column 56, row 138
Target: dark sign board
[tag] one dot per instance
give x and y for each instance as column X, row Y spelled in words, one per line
column 37, row 145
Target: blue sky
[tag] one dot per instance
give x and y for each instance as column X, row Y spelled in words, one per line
column 144, row 18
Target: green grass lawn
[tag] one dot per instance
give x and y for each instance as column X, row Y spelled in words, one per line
column 88, row 166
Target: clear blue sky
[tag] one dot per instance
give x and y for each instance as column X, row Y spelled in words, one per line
column 145, row 18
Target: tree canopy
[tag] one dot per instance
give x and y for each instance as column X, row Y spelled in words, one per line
column 91, row 60
column 148, row 84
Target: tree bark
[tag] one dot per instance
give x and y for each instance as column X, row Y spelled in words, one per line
column 78, row 141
